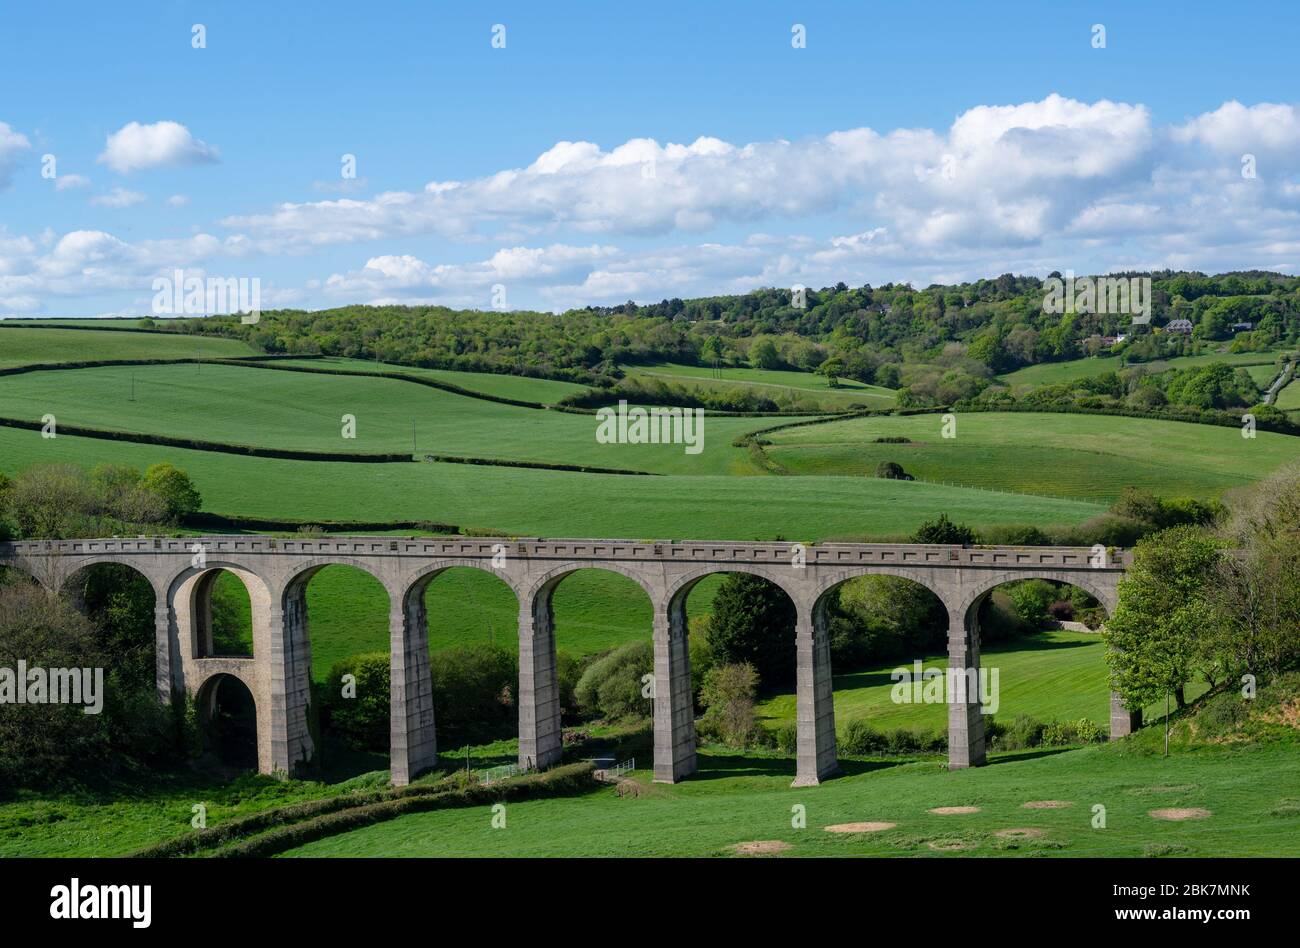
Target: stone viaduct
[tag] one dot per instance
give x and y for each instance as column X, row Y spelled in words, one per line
column 276, row 573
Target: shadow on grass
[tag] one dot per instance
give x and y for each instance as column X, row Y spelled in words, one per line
column 726, row 766
column 1011, row 757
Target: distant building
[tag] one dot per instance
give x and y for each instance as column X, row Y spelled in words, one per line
column 1121, row 337
column 1183, row 326
column 1109, row 340
column 1242, row 327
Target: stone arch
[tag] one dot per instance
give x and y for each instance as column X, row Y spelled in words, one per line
column 189, row 595
column 415, row 584
column 674, row 601
column 539, row 590
column 1102, row 586
column 832, row 580
column 206, row 696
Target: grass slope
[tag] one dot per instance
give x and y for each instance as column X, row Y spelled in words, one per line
column 1051, row 676
column 1053, row 373
column 556, row 503
column 25, row 346
column 1085, row 456
column 770, row 382
column 737, row 799
column 299, row 411
column 545, row 391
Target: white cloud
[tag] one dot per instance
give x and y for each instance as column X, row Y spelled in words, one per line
column 135, row 147
column 1031, row 187
column 12, row 146
column 178, row 200
column 1235, row 129
column 119, row 197
column 66, row 182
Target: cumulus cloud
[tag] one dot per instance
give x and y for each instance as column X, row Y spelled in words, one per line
column 13, row 144
column 135, row 147
column 1031, row 187
column 65, row 182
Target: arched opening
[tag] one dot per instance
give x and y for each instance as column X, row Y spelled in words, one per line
column 469, row 619
column 1044, row 663
column 741, row 642
column 584, row 658
column 884, row 631
column 119, row 601
column 337, row 624
column 228, row 716
column 222, row 612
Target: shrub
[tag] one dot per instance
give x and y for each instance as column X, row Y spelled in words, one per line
column 943, row 530
column 859, row 738
column 359, row 712
column 892, row 470
column 611, row 686
column 473, row 692
column 787, row 738
column 728, row 696
column 175, row 488
column 1031, row 599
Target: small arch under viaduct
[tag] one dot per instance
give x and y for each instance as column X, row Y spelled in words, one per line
column 278, row 674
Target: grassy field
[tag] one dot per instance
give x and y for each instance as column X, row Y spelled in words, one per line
column 770, row 382
column 1057, row 675
column 1084, row 456
column 737, row 799
column 22, row 345
column 299, row 411
column 556, row 503
column 594, row 610
column 1054, row 373
column 545, row 391
column 1289, row 398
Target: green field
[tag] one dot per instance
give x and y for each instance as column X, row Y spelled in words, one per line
column 594, row 610
column 24, row 346
column 1051, row 676
column 1289, row 398
column 302, row 411
column 521, row 388
column 1054, row 373
column 555, row 503
column 737, row 799
column 1071, row 455
column 770, row 382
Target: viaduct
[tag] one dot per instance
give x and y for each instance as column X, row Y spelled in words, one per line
column 276, row 572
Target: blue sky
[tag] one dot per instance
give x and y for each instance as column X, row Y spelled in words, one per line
column 633, row 150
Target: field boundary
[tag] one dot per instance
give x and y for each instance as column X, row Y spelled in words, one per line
column 288, row 454
column 281, row 828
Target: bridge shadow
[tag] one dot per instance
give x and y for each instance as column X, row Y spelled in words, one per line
column 726, row 766
column 1011, row 757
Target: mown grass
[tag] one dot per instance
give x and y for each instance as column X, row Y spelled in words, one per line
column 556, row 503
column 307, row 412
column 735, row 799
column 25, row 346
column 770, row 383
column 1085, row 456
column 1057, row 675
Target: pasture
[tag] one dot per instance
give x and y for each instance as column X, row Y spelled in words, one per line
column 1091, row 457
